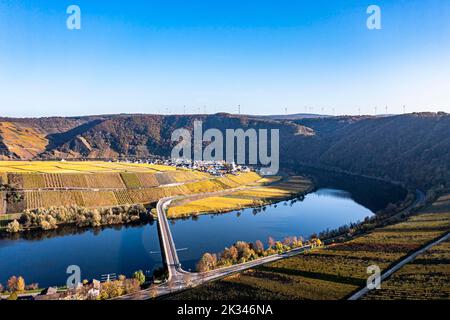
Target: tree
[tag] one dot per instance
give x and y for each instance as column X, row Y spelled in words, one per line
column 271, row 242
column 318, row 242
column 139, row 276
column 206, row 263
column 287, row 241
column 20, row 284
column 247, row 254
column 279, row 247
column 241, row 246
column 233, row 253
column 16, row 284
column 259, row 247
column 13, row 227
column 12, row 284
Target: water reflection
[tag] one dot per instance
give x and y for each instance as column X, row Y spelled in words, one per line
column 44, row 256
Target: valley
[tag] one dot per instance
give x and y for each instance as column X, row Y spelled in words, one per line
column 98, row 204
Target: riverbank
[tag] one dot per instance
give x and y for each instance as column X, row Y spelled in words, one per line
column 249, row 197
column 45, row 203
column 337, row 271
column 54, row 217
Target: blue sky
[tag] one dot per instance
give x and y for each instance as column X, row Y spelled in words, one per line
column 159, row 56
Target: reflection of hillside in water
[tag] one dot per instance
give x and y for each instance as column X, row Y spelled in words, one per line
column 370, row 193
column 67, row 230
column 333, row 193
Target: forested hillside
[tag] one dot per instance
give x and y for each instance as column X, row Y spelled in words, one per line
column 413, row 148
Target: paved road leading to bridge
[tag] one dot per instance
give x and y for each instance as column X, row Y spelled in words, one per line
column 180, row 279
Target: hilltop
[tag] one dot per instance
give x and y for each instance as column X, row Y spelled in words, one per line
column 411, row 148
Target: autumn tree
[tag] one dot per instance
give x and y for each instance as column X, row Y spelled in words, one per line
column 207, row 262
column 139, row 276
column 13, row 227
column 259, row 247
column 271, row 242
column 16, row 284
column 20, row 284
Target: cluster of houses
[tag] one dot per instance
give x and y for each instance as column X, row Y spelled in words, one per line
column 216, row 168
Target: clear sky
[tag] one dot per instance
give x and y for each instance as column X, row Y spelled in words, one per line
column 159, row 56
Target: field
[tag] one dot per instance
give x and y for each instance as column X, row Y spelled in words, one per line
column 92, row 198
column 95, row 183
column 77, row 167
column 211, row 204
column 337, row 271
column 255, row 195
column 427, row 277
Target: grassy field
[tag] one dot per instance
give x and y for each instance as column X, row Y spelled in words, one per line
column 335, row 272
column 255, row 196
column 77, row 167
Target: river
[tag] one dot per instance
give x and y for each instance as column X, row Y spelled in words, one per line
column 43, row 257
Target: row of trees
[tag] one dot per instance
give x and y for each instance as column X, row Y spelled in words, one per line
column 121, row 286
column 16, row 285
column 50, row 218
column 242, row 252
column 106, row 290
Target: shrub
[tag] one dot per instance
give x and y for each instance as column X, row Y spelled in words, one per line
column 139, row 276
column 13, row 296
column 13, row 227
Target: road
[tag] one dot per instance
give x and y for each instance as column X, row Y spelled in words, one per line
column 180, row 279
column 358, row 295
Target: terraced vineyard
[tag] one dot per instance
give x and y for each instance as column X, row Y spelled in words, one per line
column 46, row 184
column 427, row 277
column 337, row 271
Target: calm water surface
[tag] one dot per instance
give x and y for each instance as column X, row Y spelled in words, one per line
column 44, row 257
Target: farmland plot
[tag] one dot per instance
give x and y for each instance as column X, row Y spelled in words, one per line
column 33, row 181
column 131, row 180
column 337, row 271
column 147, row 180
column 123, row 197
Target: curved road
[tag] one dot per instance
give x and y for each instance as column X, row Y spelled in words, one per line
column 180, row 279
